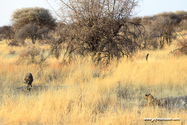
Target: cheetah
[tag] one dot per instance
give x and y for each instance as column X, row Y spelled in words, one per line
column 151, row 101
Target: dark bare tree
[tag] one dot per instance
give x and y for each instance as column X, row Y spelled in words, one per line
column 98, row 28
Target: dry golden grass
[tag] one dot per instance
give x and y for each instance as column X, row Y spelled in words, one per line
column 91, row 94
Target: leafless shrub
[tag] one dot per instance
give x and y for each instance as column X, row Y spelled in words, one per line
column 32, row 55
column 182, row 50
column 59, row 39
column 98, row 28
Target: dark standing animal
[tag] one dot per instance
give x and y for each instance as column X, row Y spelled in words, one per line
column 147, row 56
column 28, row 80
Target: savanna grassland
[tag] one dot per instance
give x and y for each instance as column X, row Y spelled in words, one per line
column 91, row 94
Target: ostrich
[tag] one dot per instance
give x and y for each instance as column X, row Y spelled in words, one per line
column 147, row 57
column 28, row 80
